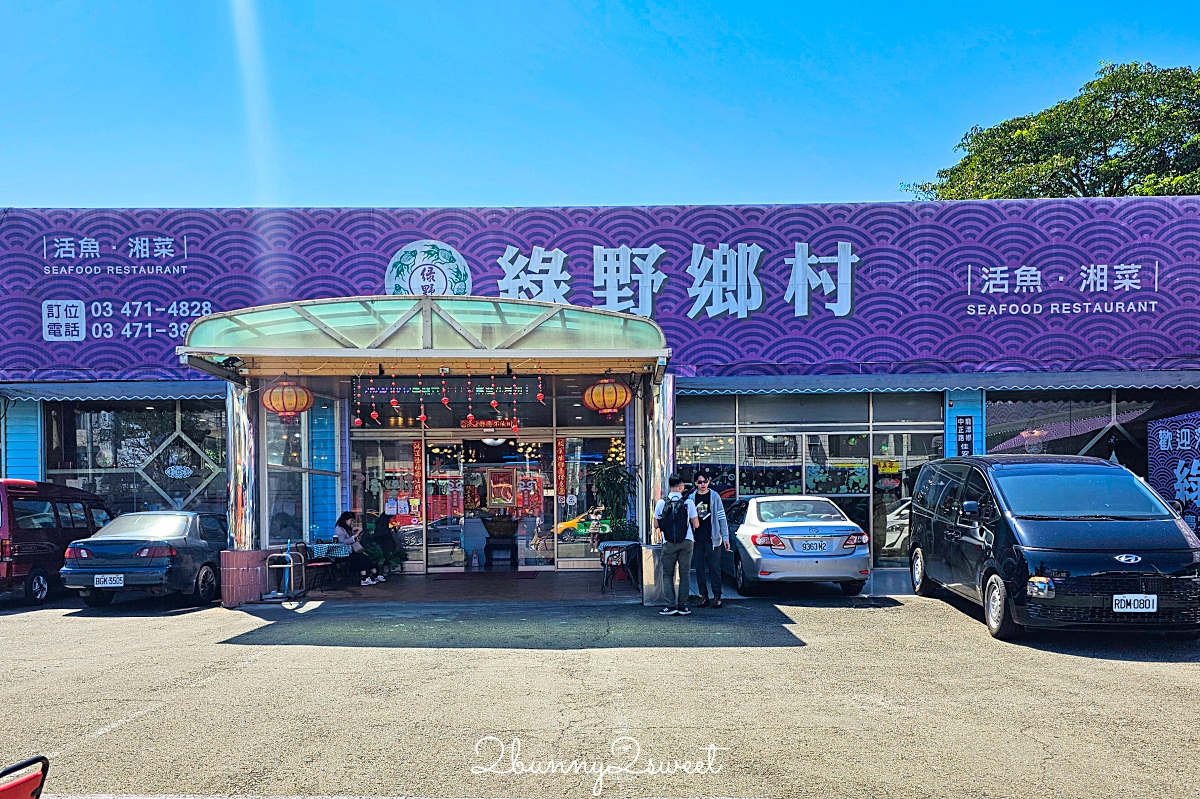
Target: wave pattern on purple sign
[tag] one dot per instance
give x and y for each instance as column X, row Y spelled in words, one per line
column 1045, row 285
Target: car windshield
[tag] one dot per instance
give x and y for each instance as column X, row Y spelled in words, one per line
column 146, row 525
column 799, row 510
column 1073, row 492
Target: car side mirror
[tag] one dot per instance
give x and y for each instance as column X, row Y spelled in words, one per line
column 970, row 508
column 1177, row 505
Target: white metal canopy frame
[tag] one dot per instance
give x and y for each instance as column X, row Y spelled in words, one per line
column 357, row 335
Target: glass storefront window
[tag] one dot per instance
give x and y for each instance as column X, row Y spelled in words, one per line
column 706, row 410
column 384, row 479
column 571, row 410
column 156, row 455
column 1129, row 440
column 909, row 406
column 857, row 508
column 324, row 502
column 464, row 396
column 285, row 442
column 323, row 434
column 579, row 529
column 285, row 516
column 771, row 464
column 836, row 464
column 303, row 485
column 445, row 501
column 1051, row 422
column 507, row 519
column 803, row 408
column 896, row 460
column 712, row 454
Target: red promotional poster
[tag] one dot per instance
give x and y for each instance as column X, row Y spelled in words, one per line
column 529, row 495
column 454, row 494
column 560, row 468
column 415, row 503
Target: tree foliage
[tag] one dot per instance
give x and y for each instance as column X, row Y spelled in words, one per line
column 1134, row 130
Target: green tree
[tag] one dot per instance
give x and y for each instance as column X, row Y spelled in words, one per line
column 1134, row 130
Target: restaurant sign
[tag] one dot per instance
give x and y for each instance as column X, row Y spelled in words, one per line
column 1037, row 285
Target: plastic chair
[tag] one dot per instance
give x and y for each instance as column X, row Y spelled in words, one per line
column 24, row 786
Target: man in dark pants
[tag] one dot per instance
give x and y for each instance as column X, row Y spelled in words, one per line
column 675, row 519
column 712, row 540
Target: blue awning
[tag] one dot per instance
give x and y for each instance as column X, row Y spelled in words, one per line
column 115, row 390
column 989, row 381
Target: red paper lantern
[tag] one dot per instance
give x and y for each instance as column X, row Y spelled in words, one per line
column 607, row 397
column 287, row 399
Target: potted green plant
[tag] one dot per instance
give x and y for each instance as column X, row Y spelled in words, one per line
column 615, row 485
column 393, row 562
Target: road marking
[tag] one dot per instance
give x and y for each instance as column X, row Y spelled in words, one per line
column 126, row 720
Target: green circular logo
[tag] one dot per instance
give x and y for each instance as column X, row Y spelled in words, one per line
column 428, row 267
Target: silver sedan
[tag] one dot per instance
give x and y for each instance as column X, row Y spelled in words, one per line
column 799, row 539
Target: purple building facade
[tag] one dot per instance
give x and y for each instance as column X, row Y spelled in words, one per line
column 826, row 349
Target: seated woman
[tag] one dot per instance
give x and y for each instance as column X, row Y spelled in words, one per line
column 358, row 560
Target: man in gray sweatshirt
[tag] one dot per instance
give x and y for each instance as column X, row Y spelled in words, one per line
column 712, row 539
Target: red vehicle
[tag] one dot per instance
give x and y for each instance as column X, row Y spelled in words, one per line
column 37, row 521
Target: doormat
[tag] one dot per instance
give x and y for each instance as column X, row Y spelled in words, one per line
column 504, row 575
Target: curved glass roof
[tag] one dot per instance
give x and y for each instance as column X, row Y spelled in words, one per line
column 403, row 328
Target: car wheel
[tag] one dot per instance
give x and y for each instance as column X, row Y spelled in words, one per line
column 852, row 587
column 921, row 584
column 996, row 612
column 741, row 580
column 37, row 587
column 206, row 586
column 98, row 599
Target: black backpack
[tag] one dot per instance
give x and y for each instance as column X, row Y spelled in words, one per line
column 674, row 521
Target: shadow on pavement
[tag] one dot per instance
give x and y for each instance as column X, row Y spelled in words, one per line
column 136, row 606
column 821, row 595
column 517, row 625
column 1125, row 646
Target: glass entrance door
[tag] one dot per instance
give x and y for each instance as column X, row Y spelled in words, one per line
column 444, row 507
column 490, row 505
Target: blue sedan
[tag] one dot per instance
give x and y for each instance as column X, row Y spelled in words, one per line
column 154, row 553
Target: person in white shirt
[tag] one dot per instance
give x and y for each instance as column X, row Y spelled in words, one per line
column 676, row 518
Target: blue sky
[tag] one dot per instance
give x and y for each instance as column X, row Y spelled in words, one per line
column 580, row 102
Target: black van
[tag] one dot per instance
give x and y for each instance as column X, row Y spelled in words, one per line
column 37, row 521
column 1055, row 542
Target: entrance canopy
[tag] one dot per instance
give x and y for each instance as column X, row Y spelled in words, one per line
column 358, row 335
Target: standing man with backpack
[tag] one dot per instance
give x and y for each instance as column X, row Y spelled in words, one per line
column 676, row 518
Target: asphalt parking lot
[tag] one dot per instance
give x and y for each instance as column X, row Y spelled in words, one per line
column 805, row 694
